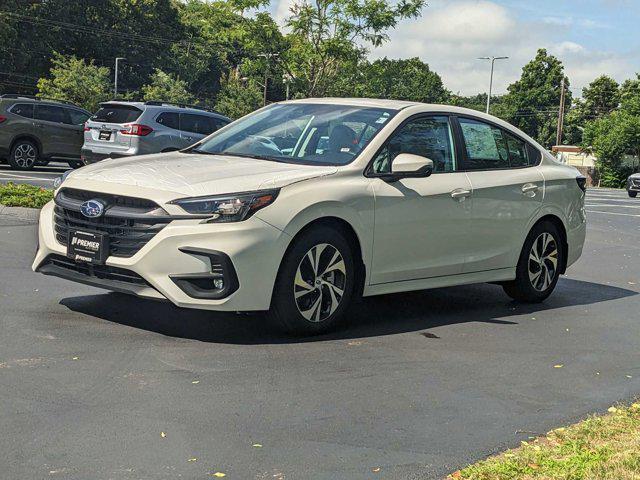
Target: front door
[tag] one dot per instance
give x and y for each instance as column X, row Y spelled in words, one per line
column 421, row 224
column 507, row 193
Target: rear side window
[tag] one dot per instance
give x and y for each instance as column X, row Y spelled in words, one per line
column 197, row 124
column 169, row 120
column 51, row 113
column 23, row 109
column 115, row 113
column 486, row 146
column 77, row 117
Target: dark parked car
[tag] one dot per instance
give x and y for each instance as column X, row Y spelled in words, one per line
column 633, row 184
column 34, row 131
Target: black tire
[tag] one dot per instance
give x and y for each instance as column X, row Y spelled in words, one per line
column 76, row 163
column 633, row 194
column 286, row 310
column 527, row 287
column 24, row 155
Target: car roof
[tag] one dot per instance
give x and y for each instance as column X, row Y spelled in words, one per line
column 17, row 98
column 166, row 106
column 416, row 108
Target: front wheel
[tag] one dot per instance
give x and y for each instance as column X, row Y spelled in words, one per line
column 539, row 265
column 76, row 163
column 315, row 283
column 633, row 194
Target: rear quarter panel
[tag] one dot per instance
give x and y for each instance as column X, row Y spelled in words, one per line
column 564, row 199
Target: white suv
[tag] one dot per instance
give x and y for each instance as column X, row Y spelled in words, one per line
column 304, row 205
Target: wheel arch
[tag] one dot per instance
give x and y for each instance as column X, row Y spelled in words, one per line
column 349, row 232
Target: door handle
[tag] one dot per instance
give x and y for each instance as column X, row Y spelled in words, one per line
column 528, row 188
column 460, row 194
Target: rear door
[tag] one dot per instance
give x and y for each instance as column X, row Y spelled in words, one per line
column 104, row 129
column 194, row 127
column 53, row 129
column 507, row 191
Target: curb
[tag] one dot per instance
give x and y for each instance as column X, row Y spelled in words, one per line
column 22, row 213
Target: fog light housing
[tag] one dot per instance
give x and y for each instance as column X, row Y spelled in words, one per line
column 219, row 282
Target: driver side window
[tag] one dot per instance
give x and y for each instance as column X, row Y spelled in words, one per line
column 429, row 137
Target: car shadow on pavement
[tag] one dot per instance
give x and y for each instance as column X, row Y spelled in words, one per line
column 373, row 316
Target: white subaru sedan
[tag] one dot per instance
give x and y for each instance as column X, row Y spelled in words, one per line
column 302, row 206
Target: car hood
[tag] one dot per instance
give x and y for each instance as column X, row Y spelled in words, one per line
column 193, row 175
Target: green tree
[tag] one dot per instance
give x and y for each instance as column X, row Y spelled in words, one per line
column 630, row 96
column 166, row 87
column 238, row 97
column 409, row 79
column 76, row 81
column 599, row 98
column 610, row 138
column 532, row 102
column 325, row 35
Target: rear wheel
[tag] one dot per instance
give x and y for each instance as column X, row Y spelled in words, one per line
column 633, row 194
column 539, row 265
column 24, row 155
column 315, row 283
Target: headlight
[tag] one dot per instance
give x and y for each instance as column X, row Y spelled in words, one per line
column 228, row 208
column 59, row 180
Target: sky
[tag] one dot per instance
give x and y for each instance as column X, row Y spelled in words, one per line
column 591, row 37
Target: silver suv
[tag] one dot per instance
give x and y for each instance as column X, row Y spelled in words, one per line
column 121, row 129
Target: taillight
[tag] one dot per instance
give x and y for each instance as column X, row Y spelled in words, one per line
column 87, row 128
column 137, row 130
column 582, row 182
column 2, row 118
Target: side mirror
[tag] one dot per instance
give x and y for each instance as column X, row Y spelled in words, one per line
column 407, row 165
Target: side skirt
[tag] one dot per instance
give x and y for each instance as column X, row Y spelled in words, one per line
column 499, row 275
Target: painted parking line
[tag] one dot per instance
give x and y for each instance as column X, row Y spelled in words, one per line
column 614, row 213
column 4, row 176
column 600, row 205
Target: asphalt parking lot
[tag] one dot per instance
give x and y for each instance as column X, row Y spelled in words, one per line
column 104, row 386
column 39, row 176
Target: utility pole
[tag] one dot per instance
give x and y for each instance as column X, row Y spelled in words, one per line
column 268, row 57
column 561, row 114
column 493, row 61
column 115, row 88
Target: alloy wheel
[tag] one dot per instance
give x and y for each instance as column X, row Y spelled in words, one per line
column 320, row 282
column 25, row 155
column 543, row 261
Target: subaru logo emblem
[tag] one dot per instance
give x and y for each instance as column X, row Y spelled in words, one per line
column 92, row 208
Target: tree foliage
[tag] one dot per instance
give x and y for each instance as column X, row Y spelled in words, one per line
column 166, row 87
column 532, row 102
column 237, row 98
column 409, row 79
column 75, row 80
column 325, row 35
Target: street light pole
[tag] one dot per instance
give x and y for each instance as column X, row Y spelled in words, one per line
column 493, row 61
column 268, row 57
column 115, row 87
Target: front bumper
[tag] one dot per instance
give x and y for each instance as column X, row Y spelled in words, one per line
column 253, row 248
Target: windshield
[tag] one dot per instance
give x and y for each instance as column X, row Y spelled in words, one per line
column 301, row 133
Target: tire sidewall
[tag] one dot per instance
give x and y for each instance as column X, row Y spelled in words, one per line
column 283, row 305
column 12, row 161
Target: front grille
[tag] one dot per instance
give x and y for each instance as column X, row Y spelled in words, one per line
column 102, row 272
column 129, row 222
column 636, row 182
